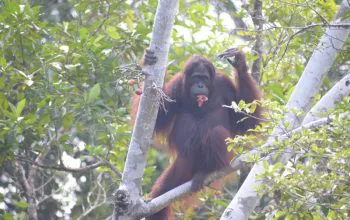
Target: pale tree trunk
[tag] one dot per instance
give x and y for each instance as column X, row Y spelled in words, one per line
column 308, row 86
column 128, row 201
column 339, row 91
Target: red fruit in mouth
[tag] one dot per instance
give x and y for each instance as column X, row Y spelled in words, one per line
column 201, row 99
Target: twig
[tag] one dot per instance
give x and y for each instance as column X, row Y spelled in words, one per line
column 338, row 25
column 28, row 189
column 246, row 114
column 306, row 28
column 72, row 170
column 162, row 97
column 97, row 201
column 106, row 17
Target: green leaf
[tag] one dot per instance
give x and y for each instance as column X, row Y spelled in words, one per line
column 2, row 83
column 11, row 7
column 241, row 104
column 22, row 205
column 84, row 33
column 20, row 107
column 7, row 216
column 12, row 107
column 3, row 62
column 252, row 107
column 112, row 32
column 103, row 169
column 94, row 93
column 68, row 121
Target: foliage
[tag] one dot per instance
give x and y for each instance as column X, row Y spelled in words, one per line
column 315, row 182
column 64, row 91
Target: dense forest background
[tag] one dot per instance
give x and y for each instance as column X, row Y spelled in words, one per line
column 65, row 91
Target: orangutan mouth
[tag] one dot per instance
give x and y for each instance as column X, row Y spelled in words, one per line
column 201, row 99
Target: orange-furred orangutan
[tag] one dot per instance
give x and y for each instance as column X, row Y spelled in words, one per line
column 196, row 124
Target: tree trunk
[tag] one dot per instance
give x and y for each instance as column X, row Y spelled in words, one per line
column 128, row 204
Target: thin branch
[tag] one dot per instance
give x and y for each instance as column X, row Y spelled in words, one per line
column 346, row 25
column 41, row 156
column 28, row 189
column 98, row 201
column 338, row 25
column 44, row 184
column 43, row 199
column 106, row 17
column 72, row 170
column 246, row 114
column 307, row 5
column 257, row 48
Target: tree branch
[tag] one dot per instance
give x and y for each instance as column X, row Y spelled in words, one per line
column 308, row 86
column 342, row 25
column 336, row 94
column 346, row 26
column 128, row 203
column 28, row 189
column 71, row 170
column 98, row 199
